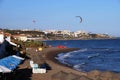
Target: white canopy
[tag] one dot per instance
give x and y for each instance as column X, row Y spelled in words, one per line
column 3, row 69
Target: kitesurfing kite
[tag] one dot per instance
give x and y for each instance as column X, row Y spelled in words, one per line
column 80, row 18
column 34, row 21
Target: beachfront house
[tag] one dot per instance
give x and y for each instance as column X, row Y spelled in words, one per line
column 62, row 33
column 80, row 33
column 20, row 37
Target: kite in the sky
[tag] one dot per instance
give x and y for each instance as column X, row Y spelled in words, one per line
column 34, row 21
column 80, row 18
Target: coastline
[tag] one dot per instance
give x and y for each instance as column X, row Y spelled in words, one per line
column 49, row 54
column 53, row 52
column 81, row 39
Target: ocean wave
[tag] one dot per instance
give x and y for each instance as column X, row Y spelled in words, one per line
column 96, row 54
column 79, row 66
column 92, row 56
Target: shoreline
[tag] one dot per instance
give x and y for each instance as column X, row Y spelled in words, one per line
column 49, row 54
column 80, row 39
column 56, row 51
column 53, row 52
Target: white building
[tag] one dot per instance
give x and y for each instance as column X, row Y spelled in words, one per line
column 49, row 31
column 20, row 37
column 62, row 33
column 80, row 33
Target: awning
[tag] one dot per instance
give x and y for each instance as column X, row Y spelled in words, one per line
column 10, row 63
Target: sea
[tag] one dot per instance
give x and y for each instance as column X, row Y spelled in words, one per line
column 98, row 54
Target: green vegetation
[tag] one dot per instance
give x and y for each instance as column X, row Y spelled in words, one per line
column 28, row 44
column 32, row 33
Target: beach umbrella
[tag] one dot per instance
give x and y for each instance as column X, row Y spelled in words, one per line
column 40, row 48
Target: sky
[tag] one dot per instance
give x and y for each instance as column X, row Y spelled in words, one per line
column 98, row 16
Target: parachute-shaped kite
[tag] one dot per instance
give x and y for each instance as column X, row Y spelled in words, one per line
column 80, row 18
column 34, row 21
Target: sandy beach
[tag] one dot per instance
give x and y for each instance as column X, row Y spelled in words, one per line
column 49, row 56
column 24, row 72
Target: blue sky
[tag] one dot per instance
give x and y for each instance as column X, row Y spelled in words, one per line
column 99, row 16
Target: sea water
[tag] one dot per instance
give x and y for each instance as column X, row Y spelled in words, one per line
column 103, row 55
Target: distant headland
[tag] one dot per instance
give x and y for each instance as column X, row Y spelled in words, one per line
column 25, row 35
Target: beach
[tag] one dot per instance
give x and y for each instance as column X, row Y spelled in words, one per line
column 47, row 55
